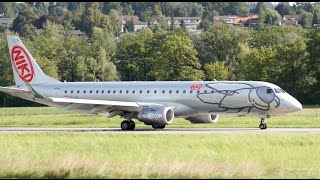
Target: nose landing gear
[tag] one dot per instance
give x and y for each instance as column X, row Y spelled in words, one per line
column 263, row 125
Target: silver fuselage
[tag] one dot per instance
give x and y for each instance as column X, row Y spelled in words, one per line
column 187, row 97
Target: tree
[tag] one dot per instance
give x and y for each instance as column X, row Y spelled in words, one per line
column 294, row 75
column 306, row 18
column 91, row 17
column 183, row 25
column 271, row 16
column 315, row 18
column 177, row 60
column 284, row 8
column 205, row 24
column 24, row 23
column 195, row 10
column 313, row 48
column 129, row 26
column 6, row 8
column 180, row 10
column 218, row 44
column 216, row 71
column 236, row 8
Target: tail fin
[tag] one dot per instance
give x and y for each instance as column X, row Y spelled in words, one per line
column 25, row 68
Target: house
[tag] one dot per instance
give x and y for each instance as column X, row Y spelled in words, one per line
column 190, row 22
column 138, row 25
column 292, row 20
column 6, row 21
column 240, row 21
column 225, row 19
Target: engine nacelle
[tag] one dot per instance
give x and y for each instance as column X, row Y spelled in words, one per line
column 207, row 118
column 156, row 115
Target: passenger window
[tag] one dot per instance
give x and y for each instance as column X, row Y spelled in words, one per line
column 148, row 91
column 127, row 91
column 155, row 91
column 163, row 91
column 212, row 91
column 114, row 91
column 120, row 91
column 97, row 91
column 108, row 91
column 184, row 91
column 170, row 91
column 65, row 91
column 78, row 91
column 140, row 91
column 133, row 91
column 191, row 91
column 90, row 91
column 84, row 91
column 102, row 91
column 198, row 91
column 71, row 91
column 205, row 91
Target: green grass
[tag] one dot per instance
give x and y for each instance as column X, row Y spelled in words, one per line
column 53, row 117
column 79, row 155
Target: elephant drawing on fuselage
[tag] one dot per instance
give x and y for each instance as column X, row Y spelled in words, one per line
column 236, row 97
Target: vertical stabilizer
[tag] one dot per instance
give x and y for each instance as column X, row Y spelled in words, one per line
column 25, row 68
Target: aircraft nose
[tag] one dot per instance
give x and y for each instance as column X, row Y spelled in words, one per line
column 296, row 105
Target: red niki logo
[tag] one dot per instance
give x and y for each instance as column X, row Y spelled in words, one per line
column 22, row 63
column 195, row 86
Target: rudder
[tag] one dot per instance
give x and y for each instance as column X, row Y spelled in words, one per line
column 25, row 68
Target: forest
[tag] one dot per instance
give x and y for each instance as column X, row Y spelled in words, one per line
column 288, row 56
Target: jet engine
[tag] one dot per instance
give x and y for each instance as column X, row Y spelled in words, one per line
column 208, row 118
column 156, row 115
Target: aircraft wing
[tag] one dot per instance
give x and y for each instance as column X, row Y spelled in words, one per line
column 112, row 108
column 11, row 90
column 95, row 102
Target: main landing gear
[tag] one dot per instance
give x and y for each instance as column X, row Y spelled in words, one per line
column 128, row 125
column 263, row 125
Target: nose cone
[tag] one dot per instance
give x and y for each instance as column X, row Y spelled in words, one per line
column 296, row 105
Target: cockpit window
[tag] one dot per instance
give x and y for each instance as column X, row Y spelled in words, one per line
column 269, row 91
column 279, row 90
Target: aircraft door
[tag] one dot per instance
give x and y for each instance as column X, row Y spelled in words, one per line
column 56, row 92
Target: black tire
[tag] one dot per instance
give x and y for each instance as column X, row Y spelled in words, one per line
column 158, row 126
column 132, row 125
column 265, row 126
column 262, row 126
column 125, row 125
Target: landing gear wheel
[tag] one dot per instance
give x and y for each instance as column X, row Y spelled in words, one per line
column 263, row 126
column 127, row 125
column 158, row 126
column 132, row 125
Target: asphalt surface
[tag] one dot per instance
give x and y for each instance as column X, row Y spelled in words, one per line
column 165, row 131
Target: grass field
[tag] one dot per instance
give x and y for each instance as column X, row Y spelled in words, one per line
column 94, row 155
column 79, row 155
column 53, row 117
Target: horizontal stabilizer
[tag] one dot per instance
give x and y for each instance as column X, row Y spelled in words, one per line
column 13, row 90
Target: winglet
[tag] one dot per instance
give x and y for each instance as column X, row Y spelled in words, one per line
column 34, row 92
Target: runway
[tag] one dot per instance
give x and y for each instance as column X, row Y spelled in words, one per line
column 164, row 131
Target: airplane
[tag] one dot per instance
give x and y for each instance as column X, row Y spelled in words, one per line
column 154, row 103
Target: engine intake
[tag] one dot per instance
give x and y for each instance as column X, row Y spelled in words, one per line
column 207, row 118
column 156, row 115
